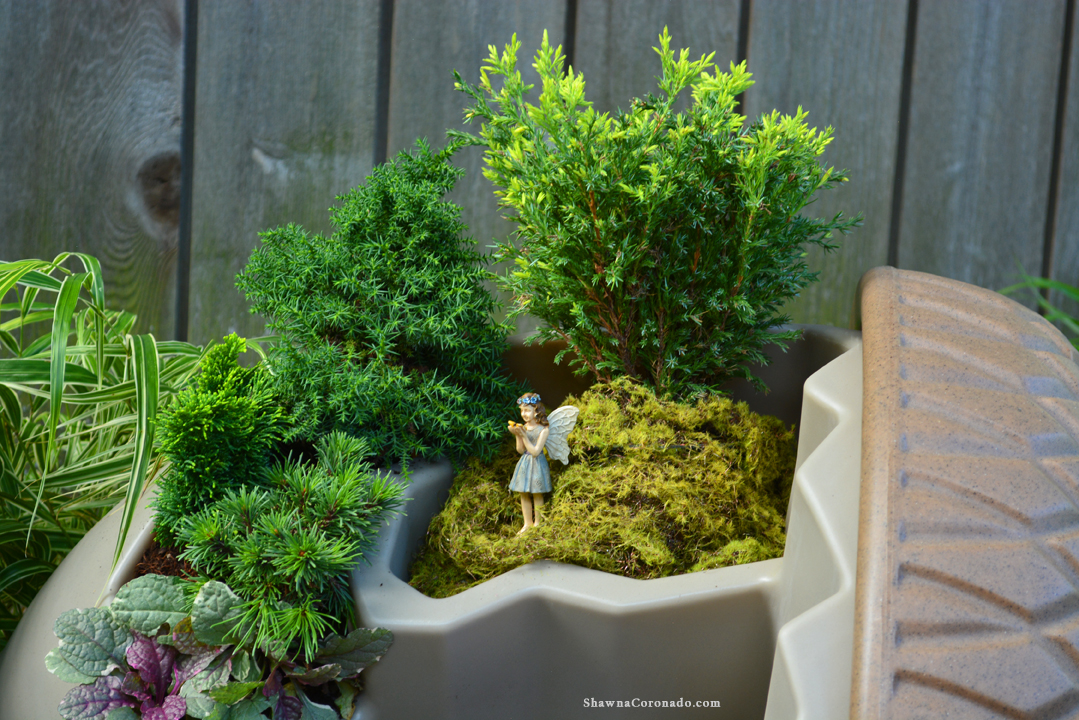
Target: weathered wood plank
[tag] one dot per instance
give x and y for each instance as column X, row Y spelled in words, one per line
column 284, row 123
column 842, row 62
column 432, row 39
column 983, row 102
column 90, row 156
column 1065, row 265
column 615, row 40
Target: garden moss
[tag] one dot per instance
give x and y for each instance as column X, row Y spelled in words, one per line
column 654, row 488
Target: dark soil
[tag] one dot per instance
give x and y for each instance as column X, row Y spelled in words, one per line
column 163, row 561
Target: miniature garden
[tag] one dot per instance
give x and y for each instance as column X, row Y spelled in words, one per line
column 658, row 245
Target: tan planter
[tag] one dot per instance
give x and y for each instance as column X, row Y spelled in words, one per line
column 968, row 562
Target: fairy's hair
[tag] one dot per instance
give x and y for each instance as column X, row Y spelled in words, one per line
column 533, row 399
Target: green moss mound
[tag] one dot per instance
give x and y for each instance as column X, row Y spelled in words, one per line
column 654, row 488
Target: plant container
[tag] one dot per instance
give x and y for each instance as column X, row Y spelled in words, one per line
column 553, row 640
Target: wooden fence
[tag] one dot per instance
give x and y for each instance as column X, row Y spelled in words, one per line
column 957, row 119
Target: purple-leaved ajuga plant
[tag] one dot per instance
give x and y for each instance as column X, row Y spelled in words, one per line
column 157, row 655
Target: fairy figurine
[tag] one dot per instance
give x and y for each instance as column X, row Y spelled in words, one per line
column 532, row 476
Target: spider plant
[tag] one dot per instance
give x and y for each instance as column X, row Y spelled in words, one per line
column 79, row 394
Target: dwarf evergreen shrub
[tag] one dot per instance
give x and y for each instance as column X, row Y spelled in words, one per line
column 217, row 434
column 386, row 327
column 287, row 549
column 660, row 245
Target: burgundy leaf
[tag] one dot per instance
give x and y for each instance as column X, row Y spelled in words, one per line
column 288, row 708
column 133, row 685
column 154, row 663
column 273, row 686
column 93, row 702
column 173, row 708
column 188, row 667
column 184, row 640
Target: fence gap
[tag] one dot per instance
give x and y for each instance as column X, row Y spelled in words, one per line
column 745, row 12
column 569, row 43
column 903, row 133
column 1058, row 148
column 187, row 168
column 385, row 58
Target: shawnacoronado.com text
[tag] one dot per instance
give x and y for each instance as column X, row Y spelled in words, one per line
column 638, row 703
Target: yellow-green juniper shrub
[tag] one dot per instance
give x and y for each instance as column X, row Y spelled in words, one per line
column 654, row 488
column 658, row 244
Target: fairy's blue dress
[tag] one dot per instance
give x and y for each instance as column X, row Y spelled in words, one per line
column 532, row 475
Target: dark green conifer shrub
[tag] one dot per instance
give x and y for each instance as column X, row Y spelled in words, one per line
column 287, row 549
column 386, row 327
column 218, row 434
column 660, row 245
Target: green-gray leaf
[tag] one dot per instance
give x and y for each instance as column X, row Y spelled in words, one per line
column 61, row 668
column 199, row 705
column 220, row 712
column 233, row 692
column 346, row 703
column 147, row 602
column 314, row 711
column 213, row 676
column 122, row 713
column 216, row 610
column 249, row 709
column 357, row 650
column 317, row 676
column 91, row 640
column 276, row 648
column 244, row 667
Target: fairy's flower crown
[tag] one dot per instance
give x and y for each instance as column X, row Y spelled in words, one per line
column 523, row 400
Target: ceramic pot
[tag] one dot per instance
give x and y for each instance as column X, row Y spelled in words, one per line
column 968, row 553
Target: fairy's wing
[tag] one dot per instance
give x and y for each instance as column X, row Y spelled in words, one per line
column 561, row 422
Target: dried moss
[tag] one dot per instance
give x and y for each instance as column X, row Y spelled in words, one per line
column 654, row 488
